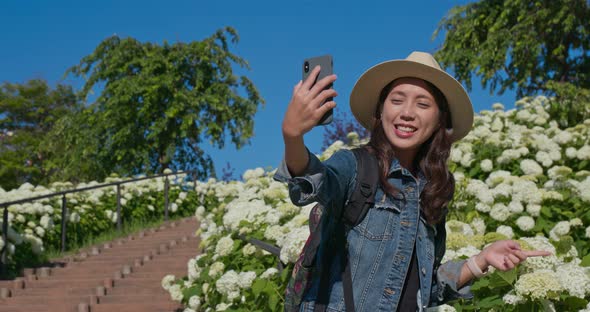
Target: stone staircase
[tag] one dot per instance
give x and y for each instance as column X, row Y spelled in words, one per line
column 120, row 276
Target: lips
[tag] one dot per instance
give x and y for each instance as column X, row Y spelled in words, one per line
column 406, row 128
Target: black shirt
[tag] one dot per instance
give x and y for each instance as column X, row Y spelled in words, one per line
column 408, row 300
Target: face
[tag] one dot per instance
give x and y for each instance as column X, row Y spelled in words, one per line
column 410, row 115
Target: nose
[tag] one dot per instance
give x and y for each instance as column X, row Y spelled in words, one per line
column 407, row 113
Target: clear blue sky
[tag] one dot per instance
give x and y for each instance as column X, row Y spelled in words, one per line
column 41, row 39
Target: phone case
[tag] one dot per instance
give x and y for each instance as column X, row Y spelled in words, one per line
column 326, row 64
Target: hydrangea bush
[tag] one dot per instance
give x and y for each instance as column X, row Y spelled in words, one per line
column 34, row 228
column 518, row 176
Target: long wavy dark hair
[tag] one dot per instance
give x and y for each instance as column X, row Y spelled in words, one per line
column 431, row 158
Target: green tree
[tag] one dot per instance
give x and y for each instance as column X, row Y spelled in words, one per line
column 27, row 113
column 158, row 104
column 534, row 47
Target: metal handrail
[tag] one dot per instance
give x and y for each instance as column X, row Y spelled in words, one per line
column 274, row 250
column 64, row 208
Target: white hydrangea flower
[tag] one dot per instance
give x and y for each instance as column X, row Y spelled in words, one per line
column 456, row 155
column 175, row 292
column 336, row 146
column 498, row 106
column 245, row 279
column 563, row 137
column 441, row 308
column 583, row 153
column 269, row 273
column 512, row 299
column 571, row 152
column 467, row 252
column 584, row 189
column 515, row 207
column 486, row 165
column 505, row 230
column 294, row 244
column 575, row 279
column 531, row 167
column 544, row 159
column 542, row 284
column 481, row 207
column 194, row 303
column 167, row 281
column 455, row 226
column 467, row 159
column 560, row 229
column 525, row 223
column 228, row 285
column 224, row 246
column 478, row 226
column 46, row 222
column 575, row 222
column 533, row 209
column 248, row 250
column 500, row 212
column 75, row 217
column 588, row 232
column 222, row 306
column 216, row 268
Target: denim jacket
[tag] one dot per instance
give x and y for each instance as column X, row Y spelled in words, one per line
column 381, row 246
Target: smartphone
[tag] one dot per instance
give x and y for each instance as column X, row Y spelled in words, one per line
column 326, row 64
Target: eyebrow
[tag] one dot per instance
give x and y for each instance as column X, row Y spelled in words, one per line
column 421, row 96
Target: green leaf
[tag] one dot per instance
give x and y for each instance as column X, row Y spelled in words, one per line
column 258, row 286
column 508, row 276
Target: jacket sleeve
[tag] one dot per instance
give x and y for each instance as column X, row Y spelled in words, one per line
column 446, row 275
column 322, row 182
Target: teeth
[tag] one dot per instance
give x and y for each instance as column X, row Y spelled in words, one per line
column 406, row 129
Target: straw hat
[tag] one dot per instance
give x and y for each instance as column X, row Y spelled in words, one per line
column 364, row 97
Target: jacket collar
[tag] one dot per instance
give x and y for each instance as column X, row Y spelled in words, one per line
column 396, row 168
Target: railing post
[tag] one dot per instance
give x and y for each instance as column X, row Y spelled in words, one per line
column 64, row 212
column 166, row 186
column 5, row 238
column 118, row 207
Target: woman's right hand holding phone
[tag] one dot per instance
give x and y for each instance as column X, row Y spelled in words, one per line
column 305, row 108
column 304, row 112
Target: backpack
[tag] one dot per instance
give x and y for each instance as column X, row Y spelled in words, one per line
column 309, row 265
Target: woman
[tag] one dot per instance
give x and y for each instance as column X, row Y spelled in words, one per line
column 415, row 111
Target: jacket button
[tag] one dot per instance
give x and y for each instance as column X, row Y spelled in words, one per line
column 389, row 291
column 423, row 271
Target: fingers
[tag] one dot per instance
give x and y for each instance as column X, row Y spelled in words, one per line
column 322, row 84
column 308, row 83
column 537, row 253
column 508, row 264
column 520, row 254
column 297, row 86
column 325, row 108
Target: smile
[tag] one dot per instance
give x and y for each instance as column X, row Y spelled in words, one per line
column 406, row 128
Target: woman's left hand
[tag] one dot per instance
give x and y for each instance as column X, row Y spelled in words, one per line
column 504, row 255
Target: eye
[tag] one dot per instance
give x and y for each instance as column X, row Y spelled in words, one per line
column 424, row 105
column 396, row 101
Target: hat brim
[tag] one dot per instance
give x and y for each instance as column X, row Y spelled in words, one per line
column 364, row 97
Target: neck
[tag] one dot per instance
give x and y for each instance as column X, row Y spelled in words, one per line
column 406, row 160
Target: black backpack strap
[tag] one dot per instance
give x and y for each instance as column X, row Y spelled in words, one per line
column 363, row 196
